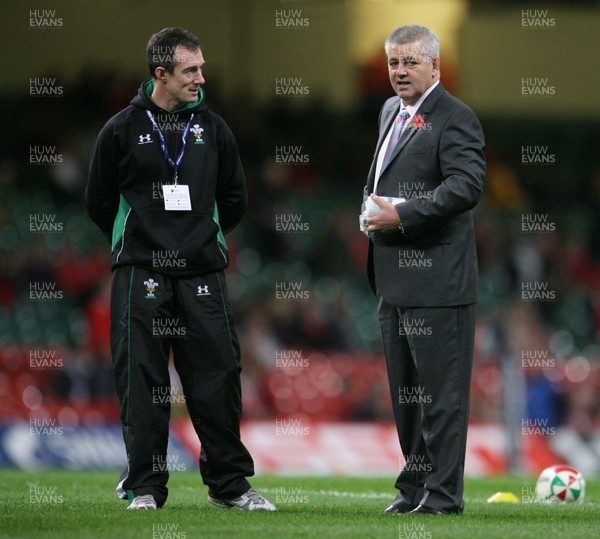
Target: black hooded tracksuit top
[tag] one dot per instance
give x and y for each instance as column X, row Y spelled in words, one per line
column 124, row 196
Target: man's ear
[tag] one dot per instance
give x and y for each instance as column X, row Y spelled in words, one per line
column 161, row 74
column 435, row 63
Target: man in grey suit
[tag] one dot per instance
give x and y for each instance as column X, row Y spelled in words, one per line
column 427, row 175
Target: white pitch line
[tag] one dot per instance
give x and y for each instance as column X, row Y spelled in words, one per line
column 337, row 493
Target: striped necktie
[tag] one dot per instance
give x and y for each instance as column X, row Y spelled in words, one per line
column 396, row 132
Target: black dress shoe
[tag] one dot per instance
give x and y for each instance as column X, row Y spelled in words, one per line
column 400, row 505
column 426, row 510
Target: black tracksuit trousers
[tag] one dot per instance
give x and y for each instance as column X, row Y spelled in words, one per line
column 150, row 314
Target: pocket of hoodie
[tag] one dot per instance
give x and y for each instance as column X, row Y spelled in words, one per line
column 214, row 252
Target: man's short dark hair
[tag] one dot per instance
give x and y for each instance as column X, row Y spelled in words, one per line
column 160, row 51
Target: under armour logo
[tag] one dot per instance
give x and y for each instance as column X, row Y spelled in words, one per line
column 203, row 291
column 145, row 139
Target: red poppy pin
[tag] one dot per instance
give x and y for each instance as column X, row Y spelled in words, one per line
column 418, row 121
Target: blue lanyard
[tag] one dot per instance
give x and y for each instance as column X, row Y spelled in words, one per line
column 163, row 146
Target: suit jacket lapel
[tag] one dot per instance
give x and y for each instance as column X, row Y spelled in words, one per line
column 431, row 100
column 407, row 134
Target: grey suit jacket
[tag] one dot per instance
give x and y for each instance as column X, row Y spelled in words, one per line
column 438, row 165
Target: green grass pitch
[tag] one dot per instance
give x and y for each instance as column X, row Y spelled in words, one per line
column 82, row 505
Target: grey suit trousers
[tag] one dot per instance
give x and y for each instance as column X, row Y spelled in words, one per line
column 429, row 356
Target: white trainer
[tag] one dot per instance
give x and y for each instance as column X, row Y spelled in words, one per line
column 249, row 501
column 146, row 501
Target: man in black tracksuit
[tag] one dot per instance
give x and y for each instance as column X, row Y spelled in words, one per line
column 165, row 185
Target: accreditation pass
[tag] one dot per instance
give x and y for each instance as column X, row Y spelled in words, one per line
column 177, row 197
